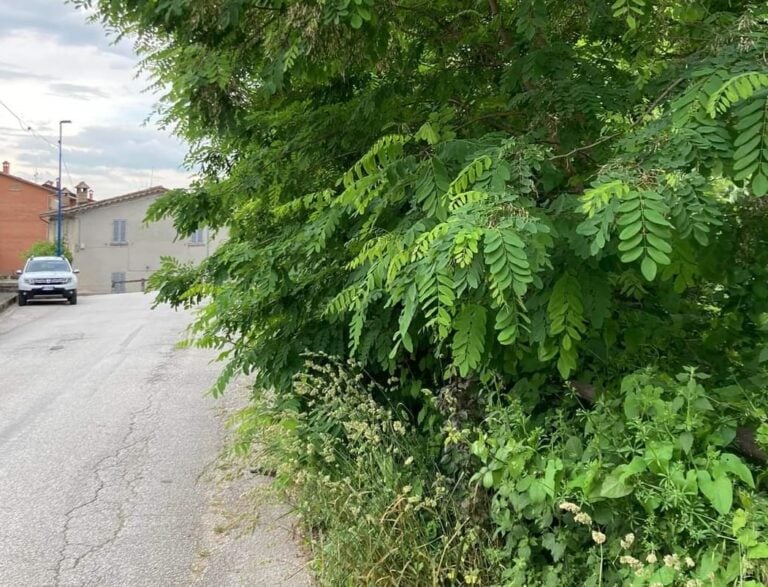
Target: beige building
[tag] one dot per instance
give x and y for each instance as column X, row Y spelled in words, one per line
column 115, row 250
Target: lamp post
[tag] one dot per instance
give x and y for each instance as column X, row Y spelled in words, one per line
column 58, row 189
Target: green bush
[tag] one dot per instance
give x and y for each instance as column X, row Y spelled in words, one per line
column 643, row 488
column 539, row 211
column 46, row 249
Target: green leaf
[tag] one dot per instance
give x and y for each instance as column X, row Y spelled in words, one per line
column 747, row 147
column 655, row 217
column 746, row 161
column 685, row 440
column 760, row 551
column 488, row 479
column 658, row 256
column 557, row 549
column 648, row 268
column 760, row 184
column 658, row 243
column 719, row 491
column 636, row 465
column 659, row 452
column 537, row 492
column 630, row 231
column 613, row 487
column 739, row 521
column 632, row 255
column 629, row 206
column 736, row 466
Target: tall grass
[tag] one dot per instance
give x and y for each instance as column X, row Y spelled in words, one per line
column 376, row 508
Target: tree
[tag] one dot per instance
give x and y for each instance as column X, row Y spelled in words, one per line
column 46, row 249
column 562, row 200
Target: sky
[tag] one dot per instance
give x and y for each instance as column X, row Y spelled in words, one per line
column 55, row 65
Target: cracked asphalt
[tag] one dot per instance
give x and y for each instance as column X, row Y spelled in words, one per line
column 105, row 435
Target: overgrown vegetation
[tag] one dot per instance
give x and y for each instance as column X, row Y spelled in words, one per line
column 544, row 219
column 46, row 249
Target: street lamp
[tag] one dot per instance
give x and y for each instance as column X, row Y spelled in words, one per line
column 58, row 189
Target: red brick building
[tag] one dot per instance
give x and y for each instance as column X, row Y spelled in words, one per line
column 21, row 204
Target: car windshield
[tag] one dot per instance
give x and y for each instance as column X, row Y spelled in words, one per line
column 39, row 265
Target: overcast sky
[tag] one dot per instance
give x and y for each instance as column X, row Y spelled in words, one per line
column 54, row 65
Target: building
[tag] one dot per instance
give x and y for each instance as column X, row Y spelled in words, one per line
column 114, row 249
column 68, row 198
column 21, row 225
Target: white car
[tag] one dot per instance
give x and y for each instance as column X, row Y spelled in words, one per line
column 44, row 277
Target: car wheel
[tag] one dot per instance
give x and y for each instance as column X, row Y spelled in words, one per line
column 73, row 298
column 22, row 299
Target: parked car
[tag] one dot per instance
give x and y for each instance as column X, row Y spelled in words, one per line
column 45, row 277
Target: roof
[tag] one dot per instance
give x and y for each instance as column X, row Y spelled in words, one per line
column 25, row 181
column 153, row 191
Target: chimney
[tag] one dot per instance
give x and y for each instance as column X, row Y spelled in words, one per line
column 82, row 192
column 6, row 168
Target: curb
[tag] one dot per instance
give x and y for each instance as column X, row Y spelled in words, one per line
column 7, row 302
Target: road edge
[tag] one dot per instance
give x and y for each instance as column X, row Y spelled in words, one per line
column 6, row 302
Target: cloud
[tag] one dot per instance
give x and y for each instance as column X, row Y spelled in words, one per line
column 77, row 91
column 54, row 67
column 9, row 72
column 60, row 21
column 111, row 159
column 131, row 147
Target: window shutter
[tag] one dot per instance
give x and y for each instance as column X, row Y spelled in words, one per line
column 118, row 231
column 197, row 237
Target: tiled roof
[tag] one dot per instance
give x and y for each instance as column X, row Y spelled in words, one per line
column 25, row 181
column 69, row 210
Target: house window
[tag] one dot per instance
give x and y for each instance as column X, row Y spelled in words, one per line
column 118, row 232
column 197, row 237
column 118, row 281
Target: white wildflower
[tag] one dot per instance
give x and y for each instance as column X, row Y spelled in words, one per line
column 631, row 561
column 627, row 541
column 598, row 537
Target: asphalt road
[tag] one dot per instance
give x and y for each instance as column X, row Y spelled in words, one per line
column 105, row 435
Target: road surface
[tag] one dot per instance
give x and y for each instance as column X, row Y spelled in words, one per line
column 105, row 439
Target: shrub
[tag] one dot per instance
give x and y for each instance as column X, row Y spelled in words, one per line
column 539, row 210
column 652, row 460
column 46, row 249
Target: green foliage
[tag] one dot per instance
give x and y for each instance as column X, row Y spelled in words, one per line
column 651, row 460
column 46, row 249
column 566, row 320
column 367, row 481
column 511, row 199
column 469, row 340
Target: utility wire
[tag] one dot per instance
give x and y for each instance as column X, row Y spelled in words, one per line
column 27, row 128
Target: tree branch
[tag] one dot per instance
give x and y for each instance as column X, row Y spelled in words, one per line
column 506, row 40
column 648, row 110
